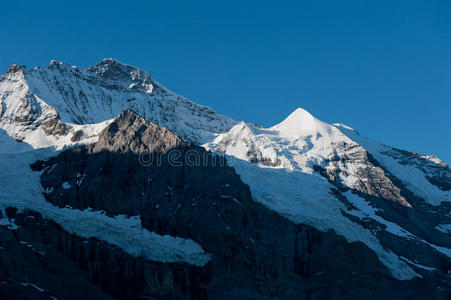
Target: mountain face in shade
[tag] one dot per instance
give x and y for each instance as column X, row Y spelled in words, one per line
column 186, row 203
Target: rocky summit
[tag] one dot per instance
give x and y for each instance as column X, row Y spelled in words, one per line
column 114, row 187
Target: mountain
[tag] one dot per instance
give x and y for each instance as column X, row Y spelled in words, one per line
column 44, row 105
column 148, row 194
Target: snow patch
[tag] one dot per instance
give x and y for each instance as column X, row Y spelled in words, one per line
column 27, row 284
column 445, row 228
column 418, row 265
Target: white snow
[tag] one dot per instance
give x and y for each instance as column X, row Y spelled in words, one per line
column 445, row 228
column 411, row 176
column 418, row 265
column 27, row 284
column 302, row 123
column 365, row 210
column 16, row 100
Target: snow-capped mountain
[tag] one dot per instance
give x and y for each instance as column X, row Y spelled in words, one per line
column 328, row 176
column 310, row 182
column 45, row 106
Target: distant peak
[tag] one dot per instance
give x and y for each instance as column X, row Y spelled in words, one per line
column 130, row 132
column 16, row 68
column 240, row 128
column 109, row 60
column 113, row 69
column 297, row 118
column 300, row 122
column 300, row 113
column 129, row 113
column 59, row 65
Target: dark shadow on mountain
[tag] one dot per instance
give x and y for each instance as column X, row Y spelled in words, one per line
column 10, row 144
column 256, row 253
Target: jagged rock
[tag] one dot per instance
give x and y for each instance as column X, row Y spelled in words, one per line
column 77, row 136
column 16, row 68
column 131, row 132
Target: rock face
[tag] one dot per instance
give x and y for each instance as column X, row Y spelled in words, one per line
column 256, row 253
column 40, row 260
column 132, row 133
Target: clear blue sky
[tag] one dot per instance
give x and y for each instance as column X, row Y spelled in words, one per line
column 382, row 67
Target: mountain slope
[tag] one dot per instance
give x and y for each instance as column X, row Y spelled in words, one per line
column 252, row 250
column 326, row 177
column 333, row 182
column 47, row 102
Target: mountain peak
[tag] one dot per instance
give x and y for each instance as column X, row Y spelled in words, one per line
column 299, row 123
column 130, row 132
column 107, row 60
column 300, row 113
column 116, row 70
column 15, row 70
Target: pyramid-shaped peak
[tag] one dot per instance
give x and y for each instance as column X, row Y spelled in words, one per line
column 300, row 113
column 130, row 132
column 300, row 122
column 298, row 117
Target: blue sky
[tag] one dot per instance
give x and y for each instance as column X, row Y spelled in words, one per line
column 382, row 67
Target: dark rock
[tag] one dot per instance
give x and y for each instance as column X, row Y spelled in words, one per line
column 33, row 267
column 132, row 133
column 54, row 126
column 11, row 211
column 77, row 136
column 16, row 68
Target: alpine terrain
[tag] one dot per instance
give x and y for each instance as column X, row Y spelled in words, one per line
column 114, row 187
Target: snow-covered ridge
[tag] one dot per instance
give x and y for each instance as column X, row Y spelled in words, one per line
column 50, row 100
